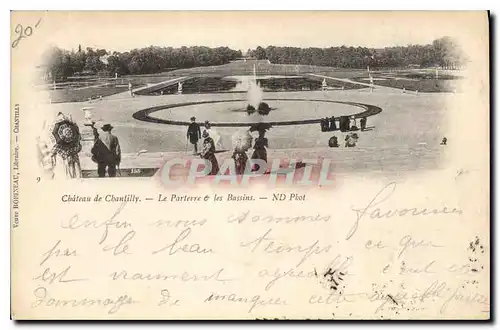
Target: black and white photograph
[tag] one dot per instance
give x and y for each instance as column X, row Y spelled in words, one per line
column 250, row 165
column 126, row 111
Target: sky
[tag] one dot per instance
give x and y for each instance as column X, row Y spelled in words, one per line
column 122, row 31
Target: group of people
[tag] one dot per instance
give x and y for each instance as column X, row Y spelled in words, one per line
column 241, row 143
column 59, row 146
column 194, row 134
column 345, row 124
column 350, row 141
column 328, row 124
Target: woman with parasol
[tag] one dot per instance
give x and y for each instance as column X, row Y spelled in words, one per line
column 208, row 152
column 212, row 132
column 60, row 147
column 242, row 141
column 261, row 143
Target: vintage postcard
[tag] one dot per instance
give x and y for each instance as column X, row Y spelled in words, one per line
column 210, row 165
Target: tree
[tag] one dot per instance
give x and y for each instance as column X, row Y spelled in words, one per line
column 260, row 53
column 443, row 51
column 101, row 52
column 61, row 63
column 93, row 64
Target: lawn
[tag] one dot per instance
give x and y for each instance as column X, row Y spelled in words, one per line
column 236, row 68
column 424, row 86
column 415, row 83
column 263, row 68
column 81, row 95
column 413, row 79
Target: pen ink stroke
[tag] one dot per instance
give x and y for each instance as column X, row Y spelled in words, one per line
column 165, row 299
column 275, row 247
column 245, row 217
column 51, row 276
column 76, row 223
column 176, row 246
column 122, row 246
column 408, row 242
column 461, row 294
column 254, row 301
column 43, row 299
column 334, row 278
column 185, row 276
column 56, row 252
column 427, row 268
column 24, row 32
column 339, row 263
column 178, row 223
column 278, row 274
column 438, row 292
column 392, row 299
column 383, row 195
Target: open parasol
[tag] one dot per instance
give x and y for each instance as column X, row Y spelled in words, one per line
column 261, row 126
column 242, row 140
column 65, row 135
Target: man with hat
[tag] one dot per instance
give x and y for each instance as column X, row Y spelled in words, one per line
column 363, row 123
column 106, row 151
column 194, row 134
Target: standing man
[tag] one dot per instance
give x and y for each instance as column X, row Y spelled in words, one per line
column 363, row 123
column 106, row 151
column 323, row 125
column 332, row 126
column 194, row 134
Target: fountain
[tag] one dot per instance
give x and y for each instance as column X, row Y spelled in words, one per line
column 254, row 97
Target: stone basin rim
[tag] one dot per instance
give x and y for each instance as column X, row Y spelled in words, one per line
column 144, row 114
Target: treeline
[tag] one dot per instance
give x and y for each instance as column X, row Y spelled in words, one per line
column 443, row 52
column 62, row 63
